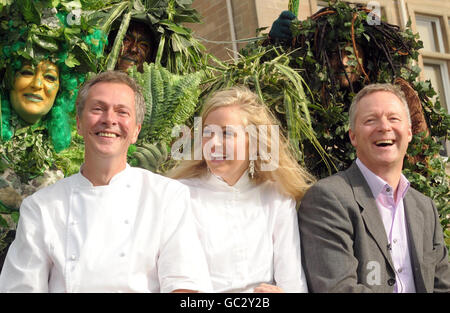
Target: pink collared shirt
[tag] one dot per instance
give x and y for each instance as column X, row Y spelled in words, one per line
column 393, row 215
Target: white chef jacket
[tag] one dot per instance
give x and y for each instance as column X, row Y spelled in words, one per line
column 249, row 234
column 134, row 235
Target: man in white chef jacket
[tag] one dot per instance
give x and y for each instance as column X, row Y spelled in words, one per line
column 110, row 227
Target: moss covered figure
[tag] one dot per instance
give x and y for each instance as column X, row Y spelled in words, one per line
column 46, row 50
column 339, row 50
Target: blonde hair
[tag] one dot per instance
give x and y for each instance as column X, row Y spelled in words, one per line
column 291, row 179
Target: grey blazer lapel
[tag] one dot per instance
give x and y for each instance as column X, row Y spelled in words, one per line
column 369, row 210
column 414, row 220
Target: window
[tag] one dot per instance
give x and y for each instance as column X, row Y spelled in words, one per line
column 437, row 72
column 430, row 32
column 436, row 59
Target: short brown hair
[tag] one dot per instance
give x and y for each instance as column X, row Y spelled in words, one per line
column 113, row 77
column 369, row 89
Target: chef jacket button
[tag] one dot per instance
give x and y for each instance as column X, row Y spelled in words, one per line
column 122, row 254
column 391, row 282
column 73, row 257
column 127, row 222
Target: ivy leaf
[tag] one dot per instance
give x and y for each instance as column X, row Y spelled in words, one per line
column 138, row 6
column 175, row 28
column 15, row 217
column 84, row 56
column 29, row 11
column 45, row 43
column 349, row 49
column 183, row 3
column 76, row 4
column 71, row 61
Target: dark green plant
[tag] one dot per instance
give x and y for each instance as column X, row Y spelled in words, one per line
column 178, row 51
column 266, row 71
column 171, row 99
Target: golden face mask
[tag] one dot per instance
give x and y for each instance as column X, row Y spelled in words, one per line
column 34, row 90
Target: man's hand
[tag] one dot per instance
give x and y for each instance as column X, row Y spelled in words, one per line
column 281, row 28
column 266, row 288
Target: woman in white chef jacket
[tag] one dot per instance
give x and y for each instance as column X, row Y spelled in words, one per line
column 244, row 191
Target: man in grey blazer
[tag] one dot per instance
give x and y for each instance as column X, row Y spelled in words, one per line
column 365, row 229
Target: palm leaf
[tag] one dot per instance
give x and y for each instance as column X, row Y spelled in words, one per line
column 112, row 57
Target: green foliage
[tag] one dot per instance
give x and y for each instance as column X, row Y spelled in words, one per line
column 4, row 3
column 36, row 30
column 71, row 159
column 150, row 156
column 171, row 99
column 267, row 72
column 293, row 6
column 388, row 53
column 178, row 51
column 28, row 153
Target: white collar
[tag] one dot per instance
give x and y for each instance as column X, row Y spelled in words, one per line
column 84, row 182
column 244, row 182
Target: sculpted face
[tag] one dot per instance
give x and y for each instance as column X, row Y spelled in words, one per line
column 342, row 68
column 136, row 48
column 34, row 90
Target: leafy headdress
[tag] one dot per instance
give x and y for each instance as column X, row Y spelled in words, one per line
column 32, row 31
column 177, row 50
column 387, row 56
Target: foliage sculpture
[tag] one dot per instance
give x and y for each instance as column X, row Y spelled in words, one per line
column 388, row 55
column 177, row 50
column 36, row 154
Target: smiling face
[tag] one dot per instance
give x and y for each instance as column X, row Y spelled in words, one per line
column 225, row 143
column 108, row 121
column 34, row 90
column 381, row 132
column 136, row 48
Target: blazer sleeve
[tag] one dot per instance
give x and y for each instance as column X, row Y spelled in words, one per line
column 326, row 234
column 442, row 269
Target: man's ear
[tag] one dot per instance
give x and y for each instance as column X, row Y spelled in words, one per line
column 352, row 137
column 409, row 134
column 136, row 133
